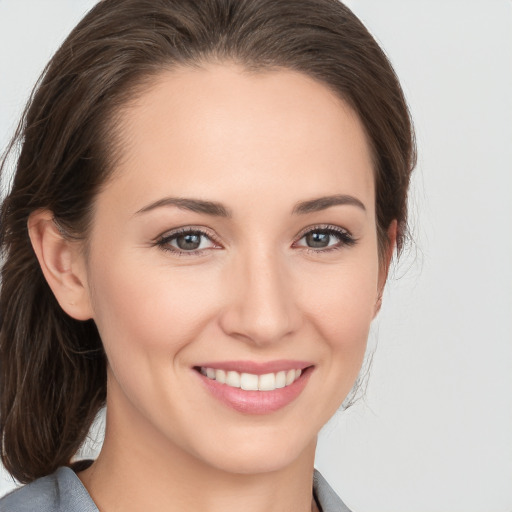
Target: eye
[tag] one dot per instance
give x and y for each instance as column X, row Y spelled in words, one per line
column 187, row 241
column 322, row 238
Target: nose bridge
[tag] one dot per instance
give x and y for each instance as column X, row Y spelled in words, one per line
column 262, row 306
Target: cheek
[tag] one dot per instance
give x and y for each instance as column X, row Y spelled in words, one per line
column 341, row 305
column 148, row 312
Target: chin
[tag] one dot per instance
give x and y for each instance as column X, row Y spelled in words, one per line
column 253, row 457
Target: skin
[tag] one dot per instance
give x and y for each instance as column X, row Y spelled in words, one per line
column 259, row 144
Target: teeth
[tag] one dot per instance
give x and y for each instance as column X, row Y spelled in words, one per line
column 233, row 379
column 251, row 382
column 281, row 380
column 220, row 376
column 267, row 382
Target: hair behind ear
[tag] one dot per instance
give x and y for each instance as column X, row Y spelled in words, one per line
column 52, row 371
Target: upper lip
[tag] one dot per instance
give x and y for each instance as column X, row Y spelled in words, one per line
column 255, row 367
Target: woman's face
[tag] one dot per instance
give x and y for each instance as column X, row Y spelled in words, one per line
column 237, row 238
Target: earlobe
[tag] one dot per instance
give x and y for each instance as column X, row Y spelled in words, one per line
column 385, row 263
column 62, row 264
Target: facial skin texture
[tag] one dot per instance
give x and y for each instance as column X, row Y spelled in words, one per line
column 259, row 144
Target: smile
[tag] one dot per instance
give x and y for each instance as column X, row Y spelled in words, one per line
column 255, row 388
column 253, row 382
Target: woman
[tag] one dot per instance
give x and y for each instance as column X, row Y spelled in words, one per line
column 204, row 209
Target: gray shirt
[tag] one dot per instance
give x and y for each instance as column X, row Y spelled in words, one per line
column 63, row 491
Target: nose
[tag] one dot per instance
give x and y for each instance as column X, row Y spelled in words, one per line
column 261, row 308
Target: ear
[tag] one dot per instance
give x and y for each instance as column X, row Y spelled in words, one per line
column 385, row 263
column 62, row 263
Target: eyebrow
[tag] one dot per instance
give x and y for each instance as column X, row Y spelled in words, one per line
column 195, row 205
column 219, row 210
column 322, row 203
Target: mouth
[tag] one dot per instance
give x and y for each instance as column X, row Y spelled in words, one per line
column 252, row 381
column 258, row 391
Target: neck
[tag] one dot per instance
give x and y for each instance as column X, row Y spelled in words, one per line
column 138, row 470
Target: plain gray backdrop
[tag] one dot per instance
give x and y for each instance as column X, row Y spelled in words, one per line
column 434, row 430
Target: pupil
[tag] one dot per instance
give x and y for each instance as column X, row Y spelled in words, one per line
column 189, row 242
column 317, row 239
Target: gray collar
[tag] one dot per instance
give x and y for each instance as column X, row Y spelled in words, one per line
column 326, row 498
column 63, row 491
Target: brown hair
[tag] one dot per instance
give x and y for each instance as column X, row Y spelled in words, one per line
column 52, row 367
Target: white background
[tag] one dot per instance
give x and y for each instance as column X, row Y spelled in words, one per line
column 434, row 432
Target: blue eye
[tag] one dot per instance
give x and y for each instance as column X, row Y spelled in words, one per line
column 319, row 238
column 186, row 241
column 192, row 241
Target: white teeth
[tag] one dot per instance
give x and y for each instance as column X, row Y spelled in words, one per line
column 233, row 379
column 220, row 376
column 267, row 382
column 281, row 379
column 249, row 382
column 252, row 382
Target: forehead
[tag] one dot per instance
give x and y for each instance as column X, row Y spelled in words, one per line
column 220, row 124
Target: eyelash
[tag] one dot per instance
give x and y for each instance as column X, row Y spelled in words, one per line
column 344, row 237
column 164, row 241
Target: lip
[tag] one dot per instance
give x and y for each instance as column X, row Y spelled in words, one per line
column 256, row 402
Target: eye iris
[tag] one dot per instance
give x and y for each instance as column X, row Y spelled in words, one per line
column 318, row 239
column 189, row 241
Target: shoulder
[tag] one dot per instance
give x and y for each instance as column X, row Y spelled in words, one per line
column 325, row 496
column 61, row 491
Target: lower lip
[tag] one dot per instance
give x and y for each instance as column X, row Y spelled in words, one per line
column 256, row 402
